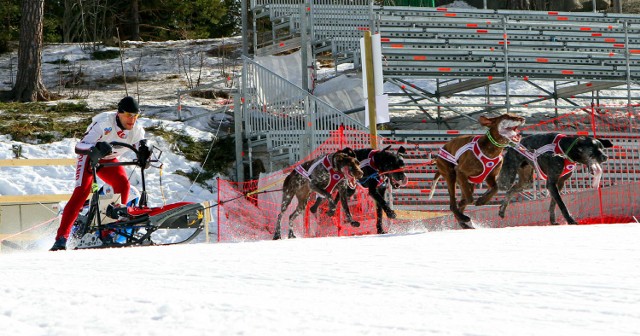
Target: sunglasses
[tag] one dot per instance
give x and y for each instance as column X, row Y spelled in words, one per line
column 131, row 114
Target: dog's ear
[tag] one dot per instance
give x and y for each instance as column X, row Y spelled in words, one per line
column 606, row 143
column 384, row 149
column 484, row 121
column 401, row 150
column 349, row 151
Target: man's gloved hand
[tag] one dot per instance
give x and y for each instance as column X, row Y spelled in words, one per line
column 100, row 150
column 144, row 154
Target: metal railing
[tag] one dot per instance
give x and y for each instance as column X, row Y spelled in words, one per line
column 286, row 115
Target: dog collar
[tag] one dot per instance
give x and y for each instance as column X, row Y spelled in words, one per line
column 566, row 154
column 494, row 142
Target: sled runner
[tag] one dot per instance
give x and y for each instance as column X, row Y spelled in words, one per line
column 134, row 224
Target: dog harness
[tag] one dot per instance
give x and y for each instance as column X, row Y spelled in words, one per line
column 553, row 147
column 369, row 162
column 488, row 164
column 335, row 175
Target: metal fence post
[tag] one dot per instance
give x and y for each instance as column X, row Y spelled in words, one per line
column 307, row 137
column 505, row 38
column 237, row 119
column 304, row 46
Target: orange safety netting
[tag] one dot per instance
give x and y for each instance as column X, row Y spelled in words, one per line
column 248, row 211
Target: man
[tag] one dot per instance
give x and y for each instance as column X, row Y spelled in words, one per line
column 94, row 147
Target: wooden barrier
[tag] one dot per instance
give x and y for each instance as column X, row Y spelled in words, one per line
column 17, row 199
column 20, row 212
column 36, row 162
column 13, row 199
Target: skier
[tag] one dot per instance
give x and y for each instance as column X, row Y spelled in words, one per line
column 93, row 148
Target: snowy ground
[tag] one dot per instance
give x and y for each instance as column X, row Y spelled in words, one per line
column 567, row 280
column 564, row 280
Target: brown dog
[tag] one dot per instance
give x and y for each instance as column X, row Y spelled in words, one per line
column 468, row 159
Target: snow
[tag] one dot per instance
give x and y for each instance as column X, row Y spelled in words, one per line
column 565, row 280
column 459, row 4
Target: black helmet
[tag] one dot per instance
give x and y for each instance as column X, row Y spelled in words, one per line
column 128, row 104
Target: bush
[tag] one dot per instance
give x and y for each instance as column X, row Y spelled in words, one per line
column 105, row 54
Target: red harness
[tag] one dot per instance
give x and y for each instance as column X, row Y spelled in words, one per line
column 335, row 176
column 569, row 166
column 488, row 164
column 369, row 161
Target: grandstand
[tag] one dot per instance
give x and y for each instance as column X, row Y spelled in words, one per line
column 570, row 59
column 580, row 53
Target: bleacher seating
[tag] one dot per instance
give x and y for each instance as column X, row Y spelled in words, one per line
column 601, row 49
column 465, row 49
column 421, row 42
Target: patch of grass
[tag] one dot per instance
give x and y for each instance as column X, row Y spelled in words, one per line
column 59, row 61
column 118, row 79
column 221, row 156
column 224, row 50
column 43, row 123
column 105, row 54
column 210, row 94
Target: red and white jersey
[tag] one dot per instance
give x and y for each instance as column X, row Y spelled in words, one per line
column 104, row 127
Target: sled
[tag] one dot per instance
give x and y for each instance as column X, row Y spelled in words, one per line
column 103, row 224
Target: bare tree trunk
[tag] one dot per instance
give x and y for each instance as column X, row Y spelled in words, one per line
column 518, row 4
column 565, row 6
column 617, row 6
column 29, row 86
column 135, row 21
column 540, row 5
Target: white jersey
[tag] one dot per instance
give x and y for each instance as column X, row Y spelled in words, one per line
column 104, row 127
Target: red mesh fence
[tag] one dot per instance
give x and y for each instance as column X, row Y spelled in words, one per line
column 253, row 207
column 248, row 211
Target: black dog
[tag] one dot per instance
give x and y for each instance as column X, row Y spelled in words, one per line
column 379, row 167
column 553, row 156
column 335, row 171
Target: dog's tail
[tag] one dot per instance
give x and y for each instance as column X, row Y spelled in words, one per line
column 436, row 177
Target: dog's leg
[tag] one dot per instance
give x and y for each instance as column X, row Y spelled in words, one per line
column 453, row 203
column 317, row 203
column 511, row 163
column 344, row 201
column 332, row 204
column 286, row 200
column 378, row 195
column 491, row 191
column 448, row 172
column 466, row 190
column 302, row 204
column 379, row 228
column 276, row 234
column 525, row 181
column 555, row 187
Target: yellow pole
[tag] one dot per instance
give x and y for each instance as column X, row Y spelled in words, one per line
column 371, row 93
column 207, row 219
